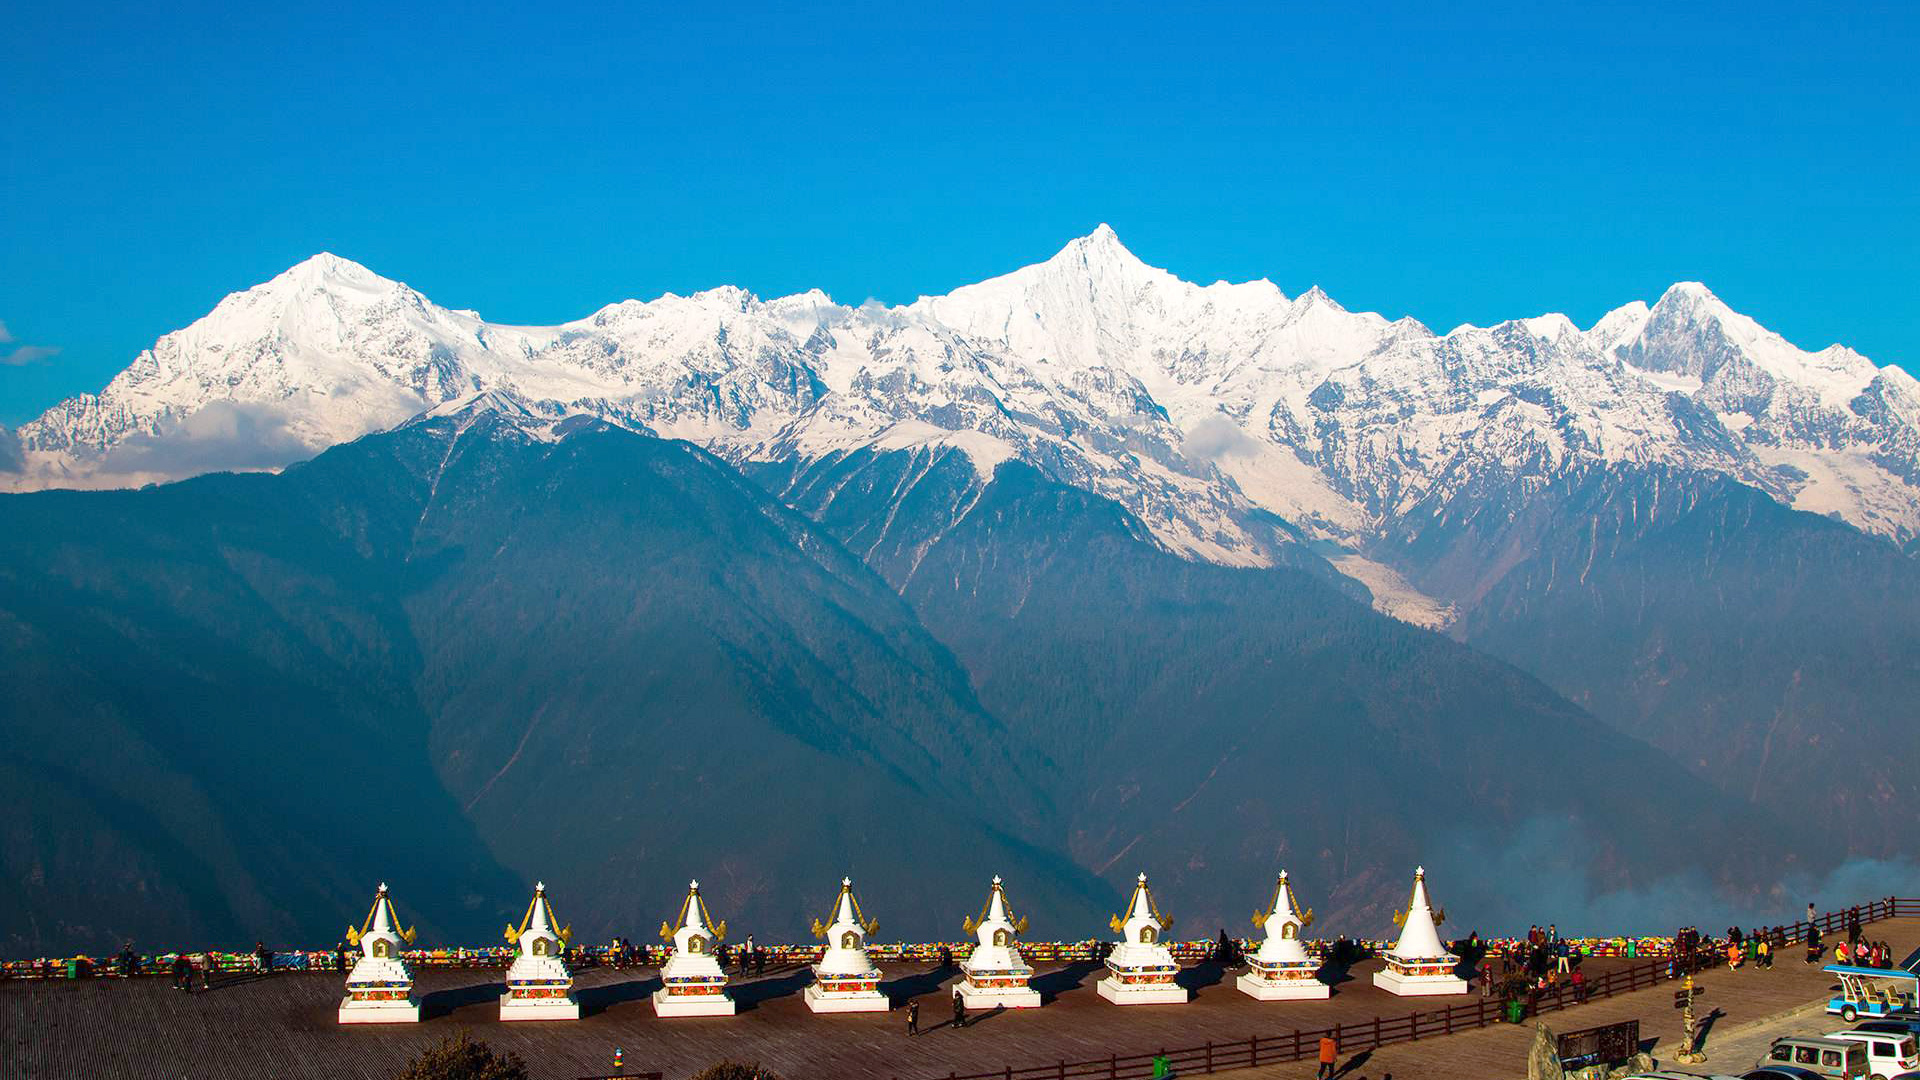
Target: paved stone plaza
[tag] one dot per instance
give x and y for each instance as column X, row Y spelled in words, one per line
column 286, row 1023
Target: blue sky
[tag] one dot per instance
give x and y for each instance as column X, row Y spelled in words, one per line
column 535, row 161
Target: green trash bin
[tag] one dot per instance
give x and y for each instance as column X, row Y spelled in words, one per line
column 73, row 968
column 1516, row 1010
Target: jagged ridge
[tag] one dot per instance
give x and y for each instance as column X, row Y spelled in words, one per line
column 1206, row 410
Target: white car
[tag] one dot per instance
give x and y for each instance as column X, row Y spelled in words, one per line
column 1665, row 1074
column 1888, row 1055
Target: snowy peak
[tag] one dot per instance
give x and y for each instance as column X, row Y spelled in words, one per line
column 326, row 268
column 1208, row 411
column 1093, row 304
column 1101, row 258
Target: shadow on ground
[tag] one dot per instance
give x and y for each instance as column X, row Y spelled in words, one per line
column 598, row 999
column 444, row 1002
column 1054, row 983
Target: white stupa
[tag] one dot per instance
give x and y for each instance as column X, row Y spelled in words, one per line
column 1282, row 970
column 1419, row 965
column 845, row 979
column 539, row 986
column 695, row 985
column 1140, row 970
column 995, row 976
column 380, row 987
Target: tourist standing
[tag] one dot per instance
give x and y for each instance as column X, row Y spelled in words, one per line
column 1810, row 915
column 182, row 973
column 346, row 962
column 913, row 1018
column 262, row 958
column 1329, row 1054
column 959, row 1009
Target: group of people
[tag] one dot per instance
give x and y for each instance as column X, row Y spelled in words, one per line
column 748, row 959
column 183, row 969
column 1755, row 947
column 1538, row 962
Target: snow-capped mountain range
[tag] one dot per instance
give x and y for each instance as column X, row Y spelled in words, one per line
column 1232, row 419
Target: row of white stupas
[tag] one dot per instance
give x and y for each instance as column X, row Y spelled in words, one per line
column 1140, row 968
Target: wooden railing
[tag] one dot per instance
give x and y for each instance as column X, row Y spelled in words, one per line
column 1297, row 1044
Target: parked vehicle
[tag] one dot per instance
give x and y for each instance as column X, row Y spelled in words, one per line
column 1892, row 1025
column 1835, row 1058
column 1873, row 992
column 1780, row 1072
column 1887, row 1055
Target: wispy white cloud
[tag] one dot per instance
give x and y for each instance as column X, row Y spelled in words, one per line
column 21, row 355
column 30, row 354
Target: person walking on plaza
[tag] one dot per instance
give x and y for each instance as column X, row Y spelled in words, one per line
column 959, row 1009
column 346, row 962
column 262, row 958
column 913, row 1019
column 182, row 973
column 1329, row 1054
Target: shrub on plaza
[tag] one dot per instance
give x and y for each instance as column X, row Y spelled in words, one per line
column 463, row 1057
column 735, row 1070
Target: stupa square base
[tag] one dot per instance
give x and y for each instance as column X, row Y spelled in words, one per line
column 692, row 1004
column 1148, row 994
column 1419, row 985
column 1009, row 997
column 565, row 1008
column 826, row 1001
column 379, row 1012
column 1283, row 990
